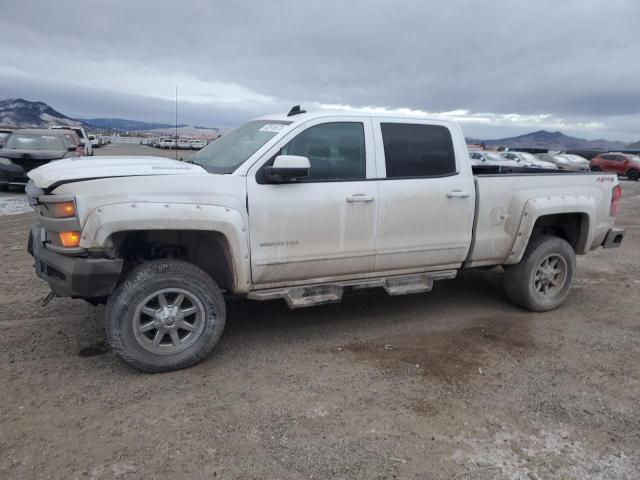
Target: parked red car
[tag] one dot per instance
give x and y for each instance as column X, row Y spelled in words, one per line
column 616, row 162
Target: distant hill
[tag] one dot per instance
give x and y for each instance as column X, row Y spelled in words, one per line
column 21, row 113
column 634, row 145
column 17, row 112
column 550, row 140
column 125, row 125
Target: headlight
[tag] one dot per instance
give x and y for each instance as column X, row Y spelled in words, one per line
column 5, row 161
column 59, row 209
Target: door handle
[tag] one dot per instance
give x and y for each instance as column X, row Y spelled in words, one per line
column 457, row 194
column 359, row 197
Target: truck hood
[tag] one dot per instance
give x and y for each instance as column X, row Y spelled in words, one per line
column 90, row 168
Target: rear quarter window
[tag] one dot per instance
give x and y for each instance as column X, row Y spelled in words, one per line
column 417, row 150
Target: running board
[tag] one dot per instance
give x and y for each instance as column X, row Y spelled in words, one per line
column 322, row 294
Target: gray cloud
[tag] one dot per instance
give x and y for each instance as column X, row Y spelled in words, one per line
column 576, row 60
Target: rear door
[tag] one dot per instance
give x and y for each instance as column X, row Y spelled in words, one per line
column 426, row 197
column 323, row 226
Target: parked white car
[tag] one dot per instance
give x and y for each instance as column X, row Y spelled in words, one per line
column 491, row 158
column 529, row 160
column 167, row 143
column 301, row 207
column 198, row 144
column 572, row 163
column 184, row 144
column 95, row 141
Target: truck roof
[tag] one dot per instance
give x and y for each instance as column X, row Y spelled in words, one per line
column 312, row 115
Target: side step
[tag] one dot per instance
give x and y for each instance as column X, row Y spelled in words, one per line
column 321, row 294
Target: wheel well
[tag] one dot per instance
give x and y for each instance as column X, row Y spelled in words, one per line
column 208, row 250
column 573, row 227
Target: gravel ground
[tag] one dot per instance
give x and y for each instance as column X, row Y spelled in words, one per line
column 135, row 149
column 456, row 383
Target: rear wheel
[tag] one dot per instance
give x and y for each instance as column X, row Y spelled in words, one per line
column 595, row 168
column 542, row 279
column 633, row 175
column 166, row 315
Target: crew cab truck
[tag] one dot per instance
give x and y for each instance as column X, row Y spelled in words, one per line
column 302, row 207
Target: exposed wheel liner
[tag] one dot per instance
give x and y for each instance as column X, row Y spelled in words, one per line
column 520, row 279
column 152, row 277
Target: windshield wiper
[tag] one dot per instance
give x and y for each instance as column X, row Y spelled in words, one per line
column 197, row 163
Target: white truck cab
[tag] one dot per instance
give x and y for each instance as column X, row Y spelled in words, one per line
column 302, row 207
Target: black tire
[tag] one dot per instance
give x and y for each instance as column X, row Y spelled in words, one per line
column 596, row 169
column 126, row 308
column 526, row 288
column 633, row 175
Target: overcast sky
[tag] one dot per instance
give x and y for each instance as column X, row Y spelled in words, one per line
column 500, row 67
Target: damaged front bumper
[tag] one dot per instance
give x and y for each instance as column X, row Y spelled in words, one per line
column 73, row 276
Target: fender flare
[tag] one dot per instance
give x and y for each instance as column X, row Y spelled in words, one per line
column 543, row 206
column 102, row 222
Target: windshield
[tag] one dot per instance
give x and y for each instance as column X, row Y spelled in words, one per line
column 35, row 142
column 230, row 151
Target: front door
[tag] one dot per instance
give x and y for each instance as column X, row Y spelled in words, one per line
column 323, row 226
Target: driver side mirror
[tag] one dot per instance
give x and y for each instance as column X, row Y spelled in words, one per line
column 287, row 168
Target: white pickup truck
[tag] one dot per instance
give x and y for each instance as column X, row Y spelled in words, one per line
column 302, row 207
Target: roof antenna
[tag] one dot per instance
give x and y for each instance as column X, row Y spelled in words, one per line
column 295, row 110
column 176, row 140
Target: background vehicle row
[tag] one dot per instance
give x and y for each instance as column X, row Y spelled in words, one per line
column 26, row 149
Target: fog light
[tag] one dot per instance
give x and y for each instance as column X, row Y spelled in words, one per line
column 70, row 239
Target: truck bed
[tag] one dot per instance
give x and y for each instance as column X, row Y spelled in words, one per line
column 509, row 201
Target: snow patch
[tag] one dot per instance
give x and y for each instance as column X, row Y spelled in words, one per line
column 13, row 205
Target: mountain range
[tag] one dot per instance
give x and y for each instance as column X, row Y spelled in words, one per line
column 552, row 141
column 20, row 113
column 125, row 125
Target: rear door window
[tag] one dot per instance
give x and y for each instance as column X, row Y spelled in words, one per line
column 417, row 150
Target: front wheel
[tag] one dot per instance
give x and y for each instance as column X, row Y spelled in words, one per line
column 166, row 315
column 596, row 169
column 633, row 175
column 542, row 279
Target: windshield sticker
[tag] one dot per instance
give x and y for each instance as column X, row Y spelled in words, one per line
column 273, row 127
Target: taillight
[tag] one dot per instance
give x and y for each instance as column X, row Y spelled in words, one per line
column 616, row 194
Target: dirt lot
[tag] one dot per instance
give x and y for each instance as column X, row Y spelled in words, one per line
column 136, row 149
column 456, row 383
